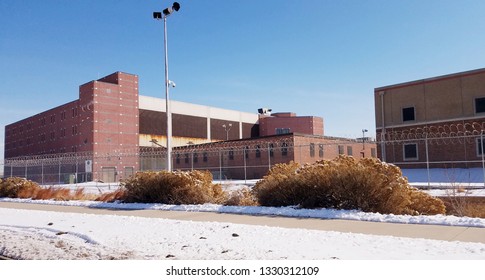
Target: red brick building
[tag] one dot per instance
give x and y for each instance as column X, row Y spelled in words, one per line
column 111, row 131
column 283, row 123
column 434, row 122
column 103, row 120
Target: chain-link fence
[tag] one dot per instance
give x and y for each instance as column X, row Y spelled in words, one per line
column 225, row 161
column 446, row 146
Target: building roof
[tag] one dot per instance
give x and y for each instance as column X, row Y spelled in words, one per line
column 433, row 79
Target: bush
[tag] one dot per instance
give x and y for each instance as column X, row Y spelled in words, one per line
column 345, row 183
column 15, row 187
column 178, row 187
column 241, row 197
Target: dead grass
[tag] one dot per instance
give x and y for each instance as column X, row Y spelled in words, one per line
column 117, row 195
column 345, row 183
column 241, row 197
column 178, row 187
column 465, row 206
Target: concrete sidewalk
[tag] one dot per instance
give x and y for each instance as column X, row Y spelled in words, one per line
column 447, row 233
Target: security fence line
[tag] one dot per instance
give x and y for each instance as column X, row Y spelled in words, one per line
column 238, row 161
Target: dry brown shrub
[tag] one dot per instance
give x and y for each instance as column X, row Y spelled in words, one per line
column 53, row 193
column 241, row 197
column 178, row 187
column 345, row 183
column 15, row 187
column 117, row 195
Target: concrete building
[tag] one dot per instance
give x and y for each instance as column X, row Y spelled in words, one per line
column 434, row 122
column 111, row 131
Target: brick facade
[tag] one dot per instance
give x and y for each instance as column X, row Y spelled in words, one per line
column 435, row 122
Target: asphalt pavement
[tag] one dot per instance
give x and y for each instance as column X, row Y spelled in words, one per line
column 437, row 232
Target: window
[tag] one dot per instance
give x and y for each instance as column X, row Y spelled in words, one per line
column 480, row 105
column 258, row 151
column 340, row 149
column 231, row 154
column 312, row 149
column 271, row 149
column 204, row 156
column 408, row 114
column 282, row 131
column 349, row 150
column 320, row 150
column 196, row 157
column 186, row 158
column 246, row 152
column 284, row 149
column 410, row 151
column 479, row 146
column 177, row 159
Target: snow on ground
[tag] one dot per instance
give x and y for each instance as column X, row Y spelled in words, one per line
column 29, row 234
column 445, row 176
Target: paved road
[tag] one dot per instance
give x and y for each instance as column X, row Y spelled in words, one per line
column 448, row 233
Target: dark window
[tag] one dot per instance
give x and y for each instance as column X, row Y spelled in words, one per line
column 479, row 146
column 410, row 151
column 204, row 157
column 177, row 158
column 312, row 149
column 196, row 157
column 282, row 130
column 186, row 158
column 284, row 149
column 258, row 151
column 480, row 105
column 408, row 114
column 320, row 150
column 246, row 152
column 340, row 149
column 231, row 154
column 271, row 150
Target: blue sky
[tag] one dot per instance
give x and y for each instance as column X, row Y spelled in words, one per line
column 311, row 57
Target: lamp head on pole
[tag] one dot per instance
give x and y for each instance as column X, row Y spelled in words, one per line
column 166, row 12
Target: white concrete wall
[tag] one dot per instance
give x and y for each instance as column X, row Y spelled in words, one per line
column 189, row 109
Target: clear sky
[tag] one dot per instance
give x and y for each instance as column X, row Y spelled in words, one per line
column 311, row 57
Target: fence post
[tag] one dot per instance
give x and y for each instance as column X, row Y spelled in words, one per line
column 42, row 172
column 59, row 171
column 220, row 165
column 427, row 158
column 244, row 156
column 483, row 161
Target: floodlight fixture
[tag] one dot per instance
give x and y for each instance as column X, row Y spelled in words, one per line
column 166, row 12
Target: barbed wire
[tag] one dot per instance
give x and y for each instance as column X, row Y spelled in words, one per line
column 448, row 134
column 235, row 147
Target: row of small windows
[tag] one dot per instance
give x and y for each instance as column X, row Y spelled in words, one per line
column 409, row 113
column 271, row 151
column 257, row 153
column 43, row 137
column 43, row 121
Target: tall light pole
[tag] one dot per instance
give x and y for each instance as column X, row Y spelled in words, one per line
column 163, row 15
column 227, row 128
column 363, row 142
